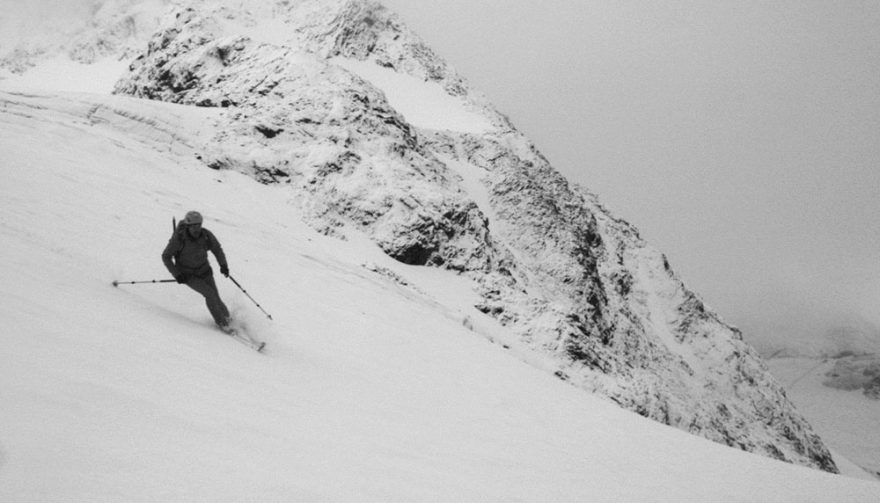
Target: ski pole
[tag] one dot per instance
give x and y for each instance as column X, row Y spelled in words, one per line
column 117, row 283
column 249, row 296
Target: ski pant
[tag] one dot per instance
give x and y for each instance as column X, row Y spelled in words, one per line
column 208, row 289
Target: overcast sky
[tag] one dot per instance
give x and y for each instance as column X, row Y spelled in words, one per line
column 741, row 137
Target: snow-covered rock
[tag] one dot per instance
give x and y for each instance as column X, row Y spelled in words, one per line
column 856, row 373
column 472, row 195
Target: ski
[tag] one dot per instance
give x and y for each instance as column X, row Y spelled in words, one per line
column 256, row 346
column 246, row 340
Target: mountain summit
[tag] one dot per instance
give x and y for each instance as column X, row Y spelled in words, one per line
column 372, row 133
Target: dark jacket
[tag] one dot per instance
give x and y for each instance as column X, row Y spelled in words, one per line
column 189, row 255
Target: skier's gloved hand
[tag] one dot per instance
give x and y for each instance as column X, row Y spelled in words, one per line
column 181, row 278
column 224, row 270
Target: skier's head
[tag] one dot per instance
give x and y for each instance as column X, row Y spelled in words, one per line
column 193, row 218
column 192, row 223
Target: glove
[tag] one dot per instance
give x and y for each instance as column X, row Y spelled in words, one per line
column 224, row 270
column 181, row 278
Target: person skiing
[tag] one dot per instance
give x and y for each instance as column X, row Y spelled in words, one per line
column 186, row 258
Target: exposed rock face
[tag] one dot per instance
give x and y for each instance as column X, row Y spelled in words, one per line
column 549, row 261
column 872, row 389
column 299, row 120
column 856, row 372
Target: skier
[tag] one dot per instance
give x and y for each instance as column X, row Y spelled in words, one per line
column 186, row 258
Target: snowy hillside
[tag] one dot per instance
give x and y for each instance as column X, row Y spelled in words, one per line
column 334, row 155
column 343, row 105
column 373, row 387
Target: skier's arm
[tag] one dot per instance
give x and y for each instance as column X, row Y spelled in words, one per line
column 217, row 250
column 168, row 255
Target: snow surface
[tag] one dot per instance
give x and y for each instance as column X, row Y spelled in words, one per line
column 62, row 74
column 370, row 389
column 424, row 104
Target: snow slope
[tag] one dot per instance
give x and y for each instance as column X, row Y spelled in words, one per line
column 373, row 387
column 408, row 153
column 424, row 104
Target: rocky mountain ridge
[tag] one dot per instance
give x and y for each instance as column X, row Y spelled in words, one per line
column 548, row 261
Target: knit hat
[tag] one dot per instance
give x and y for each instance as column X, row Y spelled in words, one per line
column 192, row 218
